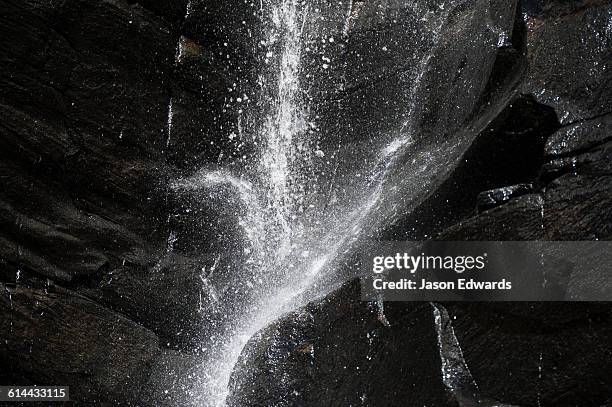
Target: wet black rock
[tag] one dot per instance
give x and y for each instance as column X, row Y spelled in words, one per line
column 55, row 335
column 572, row 197
column 584, row 148
column 342, row 351
column 84, row 206
column 508, row 152
column 574, row 205
column 519, row 219
column 439, row 80
column 569, row 51
column 167, row 296
column 578, row 207
column 494, row 197
column 579, row 137
column 172, row 380
column 548, row 354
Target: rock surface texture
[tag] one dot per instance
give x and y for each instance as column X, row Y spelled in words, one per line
column 104, row 103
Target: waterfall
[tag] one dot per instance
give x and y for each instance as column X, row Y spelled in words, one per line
column 271, row 220
column 296, row 247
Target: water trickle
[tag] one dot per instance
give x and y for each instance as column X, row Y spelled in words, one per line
column 188, row 9
column 540, row 379
column 169, row 121
column 350, row 17
column 542, row 202
column 456, row 375
column 207, row 287
column 380, row 306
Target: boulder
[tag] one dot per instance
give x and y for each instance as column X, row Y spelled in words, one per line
column 552, row 354
column 569, row 49
column 340, row 350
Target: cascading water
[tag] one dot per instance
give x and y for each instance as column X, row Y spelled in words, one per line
column 294, row 246
column 271, row 223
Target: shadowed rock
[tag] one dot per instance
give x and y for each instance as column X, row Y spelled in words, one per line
column 55, row 336
column 569, row 51
column 342, row 351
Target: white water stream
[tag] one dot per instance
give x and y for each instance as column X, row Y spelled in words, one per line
column 295, row 247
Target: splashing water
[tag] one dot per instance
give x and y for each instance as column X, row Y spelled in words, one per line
column 252, row 223
column 298, row 248
column 284, row 127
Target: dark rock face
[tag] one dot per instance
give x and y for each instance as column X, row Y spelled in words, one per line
column 563, row 350
column 58, row 336
column 508, row 152
column 521, row 354
column 519, row 219
column 342, row 351
column 97, row 116
column 54, row 335
column 580, row 137
column 85, row 88
column 569, row 50
column 572, row 201
column 82, row 130
column 373, row 87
